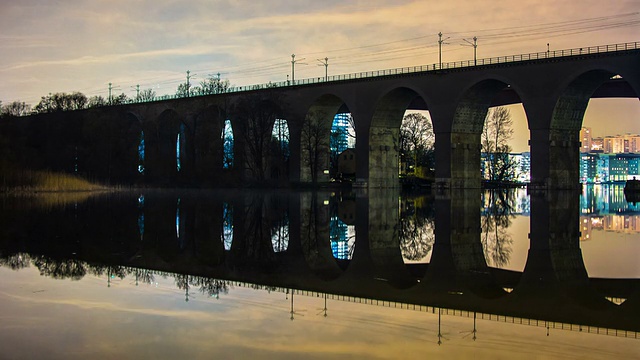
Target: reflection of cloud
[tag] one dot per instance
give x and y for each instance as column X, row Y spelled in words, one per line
column 87, row 320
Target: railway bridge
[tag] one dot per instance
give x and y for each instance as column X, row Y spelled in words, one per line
column 553, row 87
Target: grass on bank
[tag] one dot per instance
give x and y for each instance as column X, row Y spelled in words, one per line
column 44, row 181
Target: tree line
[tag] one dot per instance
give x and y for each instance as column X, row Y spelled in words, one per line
column 76, row 100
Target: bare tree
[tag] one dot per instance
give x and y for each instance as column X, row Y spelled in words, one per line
column 257, row 113
column 15, row 108
column 61, row 102
column 183, row 90
column 496, row 240
column 214, row 85
column 416, row 137
column 96, row 101
column 497, row 131
column 315, row 142
column 146, row 95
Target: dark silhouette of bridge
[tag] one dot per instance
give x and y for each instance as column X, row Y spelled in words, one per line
column 187, row 233
column 553, row 87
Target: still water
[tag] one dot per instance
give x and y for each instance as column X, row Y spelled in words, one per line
column 289, row 275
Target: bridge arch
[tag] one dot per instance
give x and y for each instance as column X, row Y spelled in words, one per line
column 208, row 127
column 315, row 134
column 384, row 135
column 466, row 129
column 253, row 117
column 133, row 148
column 162, row 145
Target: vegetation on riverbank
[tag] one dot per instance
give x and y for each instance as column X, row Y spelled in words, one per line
column 44, row 181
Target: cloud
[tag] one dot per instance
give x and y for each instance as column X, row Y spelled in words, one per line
column 101, row 41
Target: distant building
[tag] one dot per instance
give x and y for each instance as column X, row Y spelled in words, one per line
column 597, row 145
column 585, row 140
column 347, row 162
column 628, row 143
column 342, row 136
column 589, row 168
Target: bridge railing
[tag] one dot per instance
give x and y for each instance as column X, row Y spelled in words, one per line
column 422, row 68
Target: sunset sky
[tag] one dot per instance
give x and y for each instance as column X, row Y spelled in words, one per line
column 72, row 45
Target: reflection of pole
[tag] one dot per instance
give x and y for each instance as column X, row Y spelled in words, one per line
column 474, row 326
column 292, row 305
column 325, row 305
column 439, row 333
column 186, row 290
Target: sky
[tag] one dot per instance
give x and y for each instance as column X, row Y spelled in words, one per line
column 75, row 45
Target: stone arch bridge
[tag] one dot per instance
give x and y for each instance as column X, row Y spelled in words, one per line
column 553, row 87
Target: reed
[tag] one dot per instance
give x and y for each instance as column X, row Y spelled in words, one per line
column 45, row 181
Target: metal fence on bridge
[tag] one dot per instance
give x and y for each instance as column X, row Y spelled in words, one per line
column 552, row 54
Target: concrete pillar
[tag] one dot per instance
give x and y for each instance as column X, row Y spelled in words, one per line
column 315, row 235
column 458, row 263
column 465, row 161
column 384, row 244
column 383, row 157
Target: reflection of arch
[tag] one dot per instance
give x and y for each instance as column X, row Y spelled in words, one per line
column 458, row 263
column 384, row 243
column 555, row 268
column 314, row 236
column 315, row 138
column 383, row 136
column 468, row 122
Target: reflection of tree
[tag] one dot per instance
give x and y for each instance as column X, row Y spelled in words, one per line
column 207, row 286
column 280, row 234
column 496, row 240
column 60, row 269
column 416, row 230
column 112, row 271
column 211, row 287
column 144, row 276
column 16, row 261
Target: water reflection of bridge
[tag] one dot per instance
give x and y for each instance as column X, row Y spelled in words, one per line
column 185, row 233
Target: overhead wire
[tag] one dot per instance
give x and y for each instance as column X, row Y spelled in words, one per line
column 411, row 47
